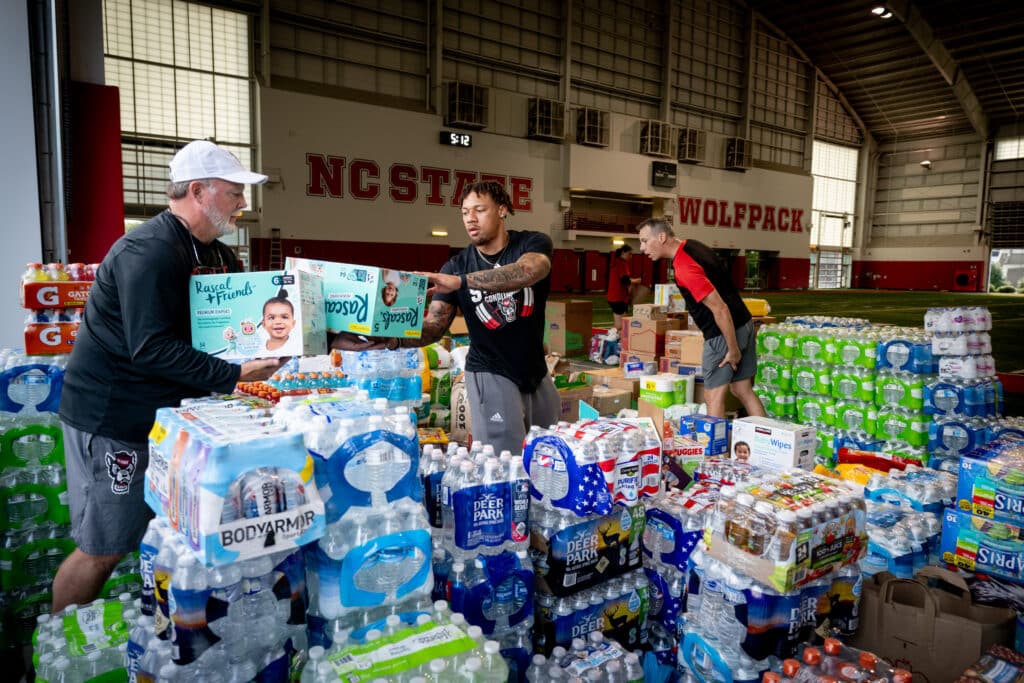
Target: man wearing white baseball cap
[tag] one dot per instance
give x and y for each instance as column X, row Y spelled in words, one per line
column 133, row 354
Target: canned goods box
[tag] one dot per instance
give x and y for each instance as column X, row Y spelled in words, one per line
column 773, row 444
column 232, row 492
column 368, row 300
column 268, row 314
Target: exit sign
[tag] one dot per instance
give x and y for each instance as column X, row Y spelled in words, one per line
column 456, row 139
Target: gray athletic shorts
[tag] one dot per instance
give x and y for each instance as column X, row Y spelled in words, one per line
column 715, row 350
column 501, row 414
column 106, row 479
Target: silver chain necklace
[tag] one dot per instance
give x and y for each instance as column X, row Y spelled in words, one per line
column 497, row 257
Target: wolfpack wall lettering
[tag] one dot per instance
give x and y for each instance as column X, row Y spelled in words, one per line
column 723, row 213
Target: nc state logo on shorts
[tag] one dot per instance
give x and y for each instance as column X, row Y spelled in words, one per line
column 121, row 467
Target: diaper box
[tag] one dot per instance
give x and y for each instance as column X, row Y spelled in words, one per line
column 367, row 300
column 773, row 444
column 237, row 316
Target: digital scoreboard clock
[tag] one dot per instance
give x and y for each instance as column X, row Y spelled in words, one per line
column 454, row 139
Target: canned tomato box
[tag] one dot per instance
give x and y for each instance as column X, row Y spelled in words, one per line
column 773, row 444
column 366, row 300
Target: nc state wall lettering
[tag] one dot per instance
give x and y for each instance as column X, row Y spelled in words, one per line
column 331, row 176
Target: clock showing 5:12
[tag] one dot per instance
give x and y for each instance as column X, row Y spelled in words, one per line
column 454, row 139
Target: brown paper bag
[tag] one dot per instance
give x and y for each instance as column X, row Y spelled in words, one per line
column 935, row 631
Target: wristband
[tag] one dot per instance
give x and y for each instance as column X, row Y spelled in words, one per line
column 462, row 281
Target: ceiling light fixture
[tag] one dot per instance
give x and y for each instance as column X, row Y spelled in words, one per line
column 882, row 12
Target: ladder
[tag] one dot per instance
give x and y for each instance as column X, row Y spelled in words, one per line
column 276, row 262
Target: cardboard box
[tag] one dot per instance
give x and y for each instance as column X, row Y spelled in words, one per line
column 49, row 294
column 710, row 432
column 648, row 312
column 567, row 326
column 976, row 544
column 230, row 314
column 44, row 339
column 646, row 336
column 774, row 444
column 612, row 378
column 987, row 485
column 682, row 316
column 570, row 399
column 458, row 326
column 368, row 300
column 668, row 297
column 666, row 364
column 687, row 346
column 609, row 400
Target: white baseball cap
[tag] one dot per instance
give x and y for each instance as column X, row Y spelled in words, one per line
column 202, row 159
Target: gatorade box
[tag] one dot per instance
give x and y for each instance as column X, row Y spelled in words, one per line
column 237, row 316
column 368, row 300
column 773, row 444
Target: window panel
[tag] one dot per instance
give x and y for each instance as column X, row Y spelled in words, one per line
column 182, row 69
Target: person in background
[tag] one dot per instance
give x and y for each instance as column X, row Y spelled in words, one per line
column 620, row 281
column 730, row 357
column 500, row 282
column 133, row 354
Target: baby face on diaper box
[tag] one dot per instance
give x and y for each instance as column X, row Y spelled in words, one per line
column 368, row 300
column 258, row 315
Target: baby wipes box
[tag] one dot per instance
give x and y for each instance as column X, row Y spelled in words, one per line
column 773, row 444
column 368, row 300
column 236, row 316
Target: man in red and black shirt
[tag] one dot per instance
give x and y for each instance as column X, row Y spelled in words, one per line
column 730, row 359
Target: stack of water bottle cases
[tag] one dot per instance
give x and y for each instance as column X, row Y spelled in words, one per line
column 883, row 388
column 294, row 537
column 34, row 515
column 34, row 518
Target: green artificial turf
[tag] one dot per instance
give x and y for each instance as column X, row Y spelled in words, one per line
column 898, row 308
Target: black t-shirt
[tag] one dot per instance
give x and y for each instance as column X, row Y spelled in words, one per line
column 697, row 270
column 133, row 353
column 506, row 329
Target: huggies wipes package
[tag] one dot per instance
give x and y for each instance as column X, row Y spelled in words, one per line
column 368, row 300
column 233, row 491
column 237, row 316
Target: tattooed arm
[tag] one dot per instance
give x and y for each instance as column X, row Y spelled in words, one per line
column 530, row 269
column 435, row 323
